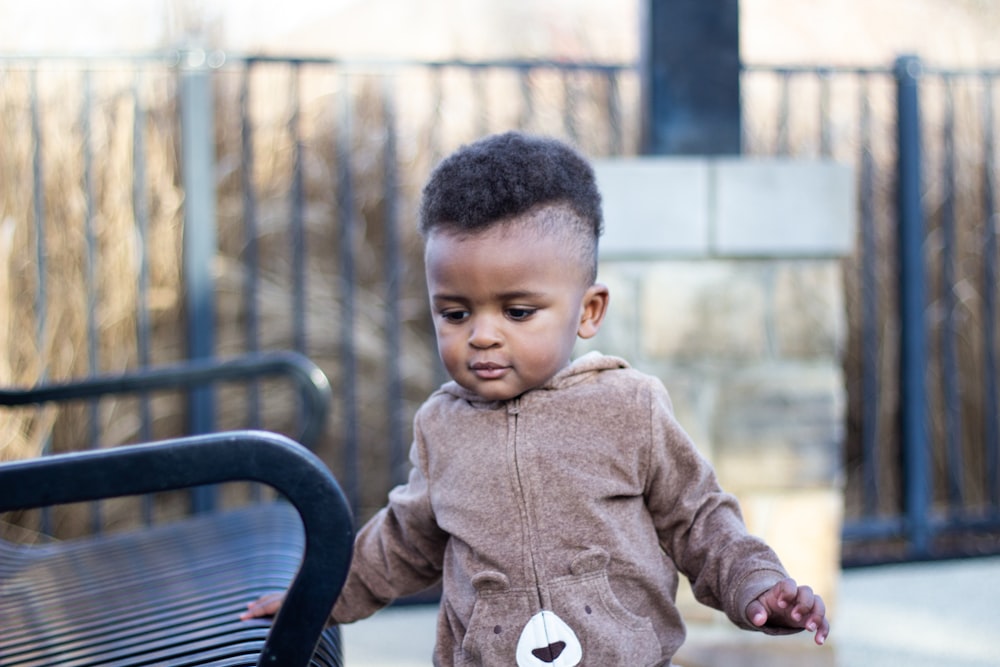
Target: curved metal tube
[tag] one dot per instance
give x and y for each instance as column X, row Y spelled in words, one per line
column 313, row 385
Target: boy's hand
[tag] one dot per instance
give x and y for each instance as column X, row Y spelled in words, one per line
column 790, row 606
column 265, row 605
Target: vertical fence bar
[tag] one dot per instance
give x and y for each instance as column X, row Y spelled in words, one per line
column 89, row 278
column 437, row 154
column 825, row 134
column 614, row 106
column 569, row 105
column 251, row 251
column 869, row 310
column 348, row 353
column 527, row 116
column 38, row 211
column 481, row 100
column 200, row 238
column 297, row 214
column 41, row 284
column 912, row 298
column 434, row 129
column 140, row 213
column 783, row 142
column 251, row 260
column 949, row 331
column 393, row 271
column 89, row 233
column 991, row 408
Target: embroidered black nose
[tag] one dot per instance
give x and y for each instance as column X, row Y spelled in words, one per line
column 550, row 652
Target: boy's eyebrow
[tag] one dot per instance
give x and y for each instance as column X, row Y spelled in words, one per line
column 502, row 296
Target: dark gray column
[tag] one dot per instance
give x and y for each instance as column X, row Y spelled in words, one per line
column 691, row 77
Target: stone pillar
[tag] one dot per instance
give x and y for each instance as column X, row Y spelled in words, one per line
column 725, row 278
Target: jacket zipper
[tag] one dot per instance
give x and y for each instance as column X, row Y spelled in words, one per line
column 521, row 488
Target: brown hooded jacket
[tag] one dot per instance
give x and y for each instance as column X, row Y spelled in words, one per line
column 557, row 522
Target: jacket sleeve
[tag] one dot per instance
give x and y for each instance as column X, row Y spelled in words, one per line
column 398, row 552
column 700, row 527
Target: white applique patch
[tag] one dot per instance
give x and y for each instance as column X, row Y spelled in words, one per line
column 547, row 641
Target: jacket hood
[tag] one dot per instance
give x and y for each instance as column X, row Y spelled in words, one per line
column 578, row 370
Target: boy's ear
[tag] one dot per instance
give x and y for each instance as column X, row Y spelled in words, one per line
column 595, row 305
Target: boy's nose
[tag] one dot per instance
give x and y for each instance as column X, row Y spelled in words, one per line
column 485, row 334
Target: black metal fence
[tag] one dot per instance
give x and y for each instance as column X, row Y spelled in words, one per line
column 295, row 183
column 193, row 206
column 923, row 474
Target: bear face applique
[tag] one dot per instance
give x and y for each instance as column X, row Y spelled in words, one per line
column 548, row 641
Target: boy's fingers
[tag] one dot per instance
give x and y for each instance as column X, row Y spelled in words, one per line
column 793, row 606
column 805, row 601
column 815, row 617
column 258, row 611
column 822, row 632
column 757, row 613
column 266, row 605
column 786, row 592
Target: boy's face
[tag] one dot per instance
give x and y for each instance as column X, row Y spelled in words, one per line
column 508, row 304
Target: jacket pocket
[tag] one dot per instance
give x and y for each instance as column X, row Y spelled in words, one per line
column 497, row 619
column 609, row 633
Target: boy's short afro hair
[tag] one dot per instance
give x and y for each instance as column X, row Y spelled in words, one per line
column 505, row 175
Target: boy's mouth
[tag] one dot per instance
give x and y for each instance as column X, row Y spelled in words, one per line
column 488, row 370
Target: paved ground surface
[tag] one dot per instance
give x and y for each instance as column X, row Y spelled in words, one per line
column 944, row 614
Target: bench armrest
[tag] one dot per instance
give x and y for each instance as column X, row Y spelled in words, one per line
column 312, row 383
column 184, row 462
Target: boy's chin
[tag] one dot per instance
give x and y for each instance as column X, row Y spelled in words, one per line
column 493, row 391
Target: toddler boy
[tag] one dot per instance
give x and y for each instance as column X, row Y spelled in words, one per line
column 556, row 500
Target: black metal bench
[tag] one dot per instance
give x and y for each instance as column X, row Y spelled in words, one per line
column 172, row 594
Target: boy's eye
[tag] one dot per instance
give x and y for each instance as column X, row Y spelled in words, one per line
column 454, row 316
column 518, row 314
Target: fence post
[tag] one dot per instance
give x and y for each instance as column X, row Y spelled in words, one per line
column 912, row 304
column 200, row 244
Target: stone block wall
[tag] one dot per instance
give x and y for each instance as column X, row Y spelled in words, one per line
column 725, row 279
